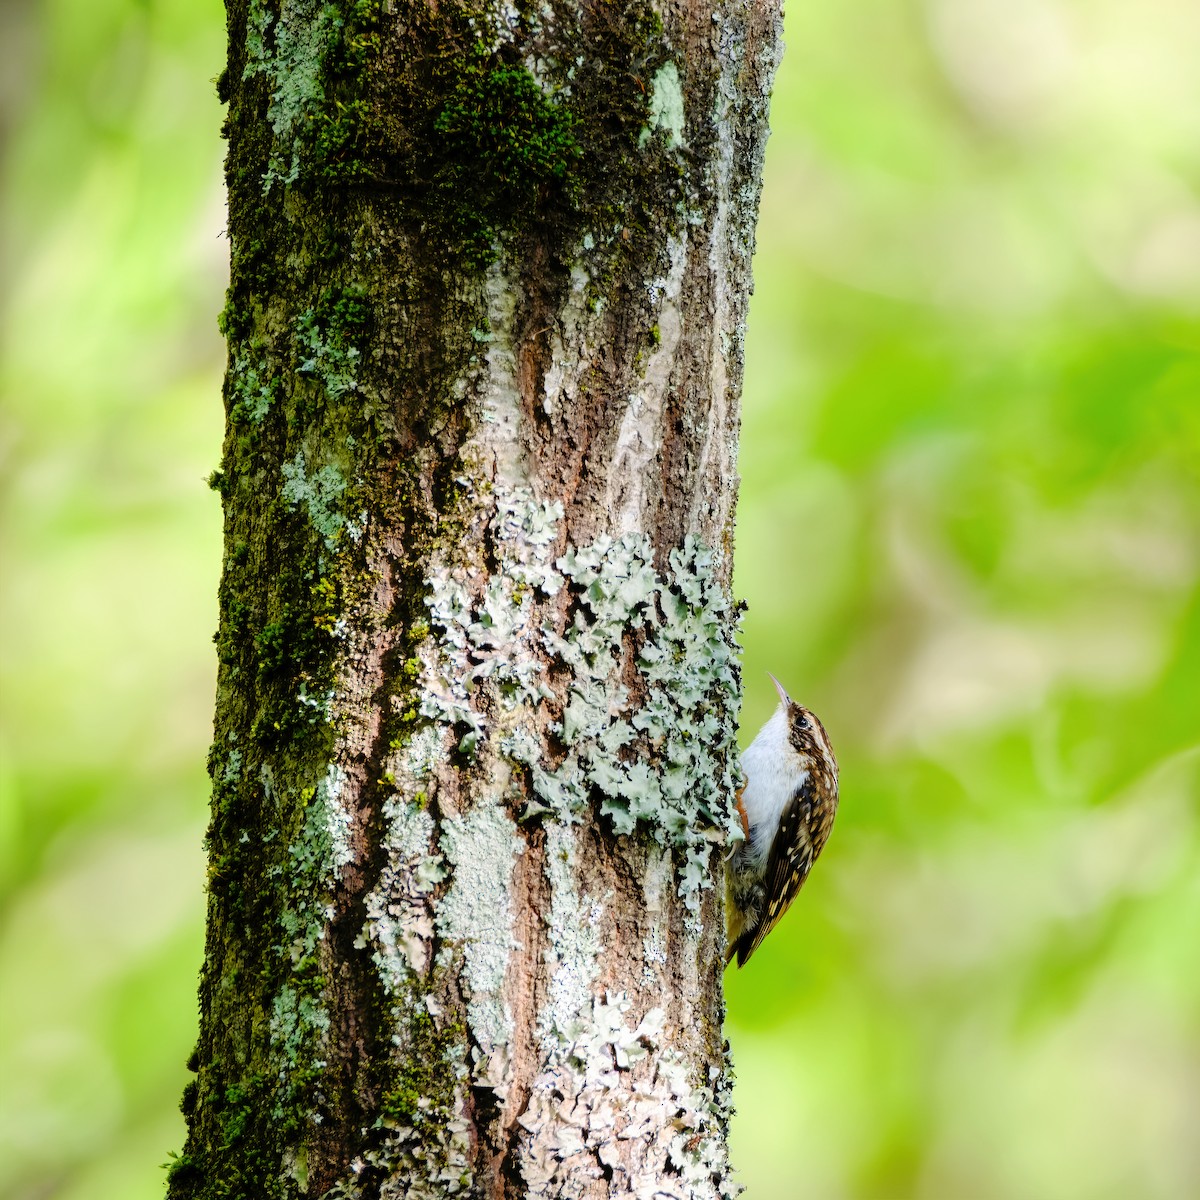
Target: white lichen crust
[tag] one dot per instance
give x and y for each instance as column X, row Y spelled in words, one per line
column 475, row 917
column 616, row 1104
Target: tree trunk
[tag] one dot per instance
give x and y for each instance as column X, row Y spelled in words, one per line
column 474, row 751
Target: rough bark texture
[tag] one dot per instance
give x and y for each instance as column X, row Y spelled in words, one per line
column 474, row 756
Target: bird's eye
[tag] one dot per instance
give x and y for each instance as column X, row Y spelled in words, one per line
column 801, row 721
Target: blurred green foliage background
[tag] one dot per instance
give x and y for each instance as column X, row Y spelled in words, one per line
column 969, row 535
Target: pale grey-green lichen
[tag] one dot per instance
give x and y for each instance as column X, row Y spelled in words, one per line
column 421, row 755
column 572, row 941
column 667, row 763
column 299, row 1022
column 430, row 1156
column 399, row 915
column 324, row 357
column 444, row 693
column 318, row 493
column 666, row 106
column 337, row 819
column 317, row 856
column 322, row 705
column 495, row 638
column 496, row 22
column 474, row 918
column 232, row 771
column 399, row 924
column 253, row 393
column 644, row 736
column 296, row 1020
column 290, row 52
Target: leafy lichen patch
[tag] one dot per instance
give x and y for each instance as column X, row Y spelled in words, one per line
column 254, row 389
column 312, row 57
column 325, row 355
column 337, row 819
column 422, row 1145
column 643, row 684
column 290, row 52
column 493, row 639
column 317, row 856
column 664, row 760
column 427, row 1153
column 318, row 493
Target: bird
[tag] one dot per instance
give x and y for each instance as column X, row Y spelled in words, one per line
column 787, row 804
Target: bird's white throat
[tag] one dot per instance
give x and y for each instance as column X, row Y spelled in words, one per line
column 773, row 772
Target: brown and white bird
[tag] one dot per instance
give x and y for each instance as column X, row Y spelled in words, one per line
column 787, row 805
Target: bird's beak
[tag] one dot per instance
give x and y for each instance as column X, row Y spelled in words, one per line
column 783, row 696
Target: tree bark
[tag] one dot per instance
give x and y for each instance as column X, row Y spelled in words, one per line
column 474, row 753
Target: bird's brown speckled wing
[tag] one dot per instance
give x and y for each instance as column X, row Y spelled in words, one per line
column 798, row 840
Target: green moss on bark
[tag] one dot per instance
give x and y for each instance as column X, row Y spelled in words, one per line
column 500, row 147
column 481, row 129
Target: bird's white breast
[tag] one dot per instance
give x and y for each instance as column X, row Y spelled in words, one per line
column 773, row 773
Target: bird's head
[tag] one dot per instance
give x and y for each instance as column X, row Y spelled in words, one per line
column 806, row 734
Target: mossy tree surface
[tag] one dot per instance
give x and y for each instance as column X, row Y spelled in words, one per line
column 474, row 759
